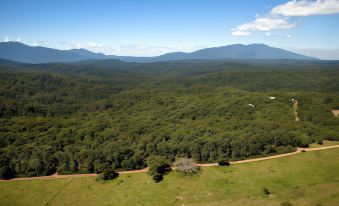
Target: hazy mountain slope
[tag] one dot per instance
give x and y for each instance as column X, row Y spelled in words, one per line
column 235, row 51
column 16, row 51
column 19, row 52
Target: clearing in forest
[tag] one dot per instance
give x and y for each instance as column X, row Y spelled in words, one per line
column 290, row 179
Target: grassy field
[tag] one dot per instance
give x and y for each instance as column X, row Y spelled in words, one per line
column 310, row 178
column 325, row 144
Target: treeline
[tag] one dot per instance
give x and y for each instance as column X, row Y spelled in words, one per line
column 88, row 122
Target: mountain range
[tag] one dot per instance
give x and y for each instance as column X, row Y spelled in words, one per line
column 16, row 51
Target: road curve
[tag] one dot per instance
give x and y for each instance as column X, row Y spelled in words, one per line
column 271, row 157
column 57, row 176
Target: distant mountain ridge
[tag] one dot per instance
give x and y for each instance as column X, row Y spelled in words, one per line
column 235, row 51
column 16, row 51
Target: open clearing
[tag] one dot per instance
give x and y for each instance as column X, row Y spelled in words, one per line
column 326, row 143
column 314, row 147
column 308, row 178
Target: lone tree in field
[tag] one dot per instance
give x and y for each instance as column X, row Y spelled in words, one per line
column 158, row 167
column 186, row 165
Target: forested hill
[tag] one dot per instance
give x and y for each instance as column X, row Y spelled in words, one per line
column 253, row 75
column 87, row 116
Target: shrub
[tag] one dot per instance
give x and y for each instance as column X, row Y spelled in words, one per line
column 157, row 177
column 223, row 162
column 108, row 174
column 266, row 191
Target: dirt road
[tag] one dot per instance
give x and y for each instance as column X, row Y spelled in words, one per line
column 57, row 176
column 295, row 107
column 271, row 157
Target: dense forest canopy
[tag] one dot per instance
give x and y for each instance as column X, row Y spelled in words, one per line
column 88, row 116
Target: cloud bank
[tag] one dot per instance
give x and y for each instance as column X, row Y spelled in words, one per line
column 307, row 8
column 262, row 24
column 277, row 18
column 129, row 49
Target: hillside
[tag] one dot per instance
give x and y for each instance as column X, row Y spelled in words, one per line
column 88, row 116
column 16, row 51
column 235, row 51
column 293, row 180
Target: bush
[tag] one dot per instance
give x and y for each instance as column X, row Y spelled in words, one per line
column 158, row 177
column 224, row 162
column 266, row 191
column 108, row 174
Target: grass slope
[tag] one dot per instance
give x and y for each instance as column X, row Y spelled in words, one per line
column 310, row 178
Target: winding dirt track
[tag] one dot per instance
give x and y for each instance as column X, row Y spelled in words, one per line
column 295, row 107
column 57, row 176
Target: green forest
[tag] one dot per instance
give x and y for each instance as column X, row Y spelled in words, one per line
column 92, row 115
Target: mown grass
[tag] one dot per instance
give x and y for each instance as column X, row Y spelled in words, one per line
column 310, row 178
column 325, row 144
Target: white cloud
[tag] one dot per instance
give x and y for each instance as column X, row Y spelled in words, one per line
column 147, row 50
column 39, row 43
column 307, row 8
column 289, row 36
column 18, row 40
column 6, row 39
column 262, row 24
column 129, row 49
column 240, row 33
column 92, row 45
column 267, row 34
column 277, row 18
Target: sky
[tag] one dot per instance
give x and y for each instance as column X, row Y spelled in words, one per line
column 154, row 27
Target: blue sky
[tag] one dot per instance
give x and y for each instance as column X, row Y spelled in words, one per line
column 152, row 27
